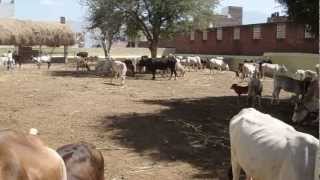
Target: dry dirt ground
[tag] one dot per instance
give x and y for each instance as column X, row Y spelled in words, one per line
column 163, row 130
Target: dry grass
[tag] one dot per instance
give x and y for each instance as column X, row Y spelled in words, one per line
column 30, row 33
column 160, row 130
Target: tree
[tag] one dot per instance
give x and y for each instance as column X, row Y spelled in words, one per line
column 303, row 11
column 154, row 18
column 105, row 23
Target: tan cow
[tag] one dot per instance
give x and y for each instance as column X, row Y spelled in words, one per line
column 25, row 157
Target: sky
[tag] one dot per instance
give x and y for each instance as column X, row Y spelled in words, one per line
column 254, row 11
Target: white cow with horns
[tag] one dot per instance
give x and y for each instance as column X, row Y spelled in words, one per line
column 269, row 149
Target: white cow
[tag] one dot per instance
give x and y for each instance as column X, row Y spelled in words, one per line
column 272, row 69
column 119, row 69
column 269, row 149
column 42, row 59
column 219, row 64
column 7, row 60
column 303, row 74
column 180, row 68
column 3, row 61
column 194, row 62
column 249, row 69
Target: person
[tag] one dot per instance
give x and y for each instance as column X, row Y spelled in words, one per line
column 10, row 62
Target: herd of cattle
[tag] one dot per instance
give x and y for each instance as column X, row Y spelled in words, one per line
column 263, row 146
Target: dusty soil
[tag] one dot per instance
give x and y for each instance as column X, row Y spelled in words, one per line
column 165, row 130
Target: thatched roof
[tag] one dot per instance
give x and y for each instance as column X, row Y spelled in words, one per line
column 30, row 33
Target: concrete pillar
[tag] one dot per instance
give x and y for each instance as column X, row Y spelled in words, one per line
column 65, row 48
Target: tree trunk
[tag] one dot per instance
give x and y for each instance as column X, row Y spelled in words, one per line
column 153, row 49
column 105, row 50
column 109, row 47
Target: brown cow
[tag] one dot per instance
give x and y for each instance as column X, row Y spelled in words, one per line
column 83, row 161
column 25, row 157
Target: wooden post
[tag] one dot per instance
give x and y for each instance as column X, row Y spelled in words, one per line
column 65, row 47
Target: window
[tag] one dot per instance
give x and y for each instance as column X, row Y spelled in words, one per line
column 219, row 34
column 236, row 33
column 192, row 35
column 256, row 32
column 307, row 33
column 281, row 31
column 205, row 35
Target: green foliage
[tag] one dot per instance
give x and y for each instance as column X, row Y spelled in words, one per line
column 303, row 11
column 154, row 18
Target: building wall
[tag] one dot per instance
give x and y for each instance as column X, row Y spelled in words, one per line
column 294, row 41
column 230, row 16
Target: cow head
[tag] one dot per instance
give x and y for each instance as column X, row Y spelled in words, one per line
column 283, row 69
column 300, row 113
column 234, row 86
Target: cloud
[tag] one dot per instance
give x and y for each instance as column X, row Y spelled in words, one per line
column 51, row 2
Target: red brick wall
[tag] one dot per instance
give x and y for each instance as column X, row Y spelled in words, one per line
column 294, row 41
column 162, row 44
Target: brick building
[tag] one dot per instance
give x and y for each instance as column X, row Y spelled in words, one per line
column 248, row 40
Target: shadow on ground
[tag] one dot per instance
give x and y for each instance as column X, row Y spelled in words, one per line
column 76, row 74
column 93, row 74
column 189, row 130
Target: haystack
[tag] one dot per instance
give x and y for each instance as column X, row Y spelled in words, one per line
column 31, row 33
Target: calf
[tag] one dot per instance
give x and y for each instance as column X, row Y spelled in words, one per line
column 239, row 90
column 83, row 161
column 162, row 64
column 26, row 157
column 268, row 149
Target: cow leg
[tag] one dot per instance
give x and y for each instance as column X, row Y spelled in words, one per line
column 259, row 100
column 235, row 170
column 153, row 74
column 49, row 65
column 123, row 78
column 88, row 68
column 112, row 77
column 253, row 103
column 175, row 74
column 275, row 96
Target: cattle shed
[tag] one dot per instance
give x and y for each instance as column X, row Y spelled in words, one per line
column 25, row 33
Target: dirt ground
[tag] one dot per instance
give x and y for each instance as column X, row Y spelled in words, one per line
column 161, row 130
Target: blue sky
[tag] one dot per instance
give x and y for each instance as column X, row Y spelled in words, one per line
column 255, row 11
